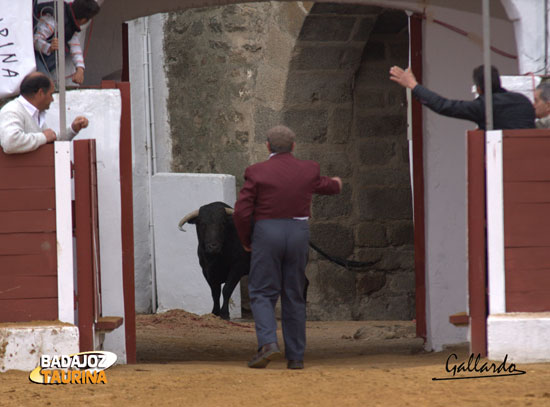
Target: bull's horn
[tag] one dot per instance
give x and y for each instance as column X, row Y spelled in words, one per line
column 229, row 211
column 187, row 218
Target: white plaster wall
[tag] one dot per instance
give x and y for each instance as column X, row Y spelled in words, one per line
column 103, row 110
column 180, row 283
column 448, row 60
column 141, row 154
column 521, row 336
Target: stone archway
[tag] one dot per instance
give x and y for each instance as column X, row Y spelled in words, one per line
column 235, row 71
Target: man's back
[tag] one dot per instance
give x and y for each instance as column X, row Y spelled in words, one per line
column 285, row 186
column 510, row 110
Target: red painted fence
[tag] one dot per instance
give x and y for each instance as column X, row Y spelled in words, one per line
column 28, row 252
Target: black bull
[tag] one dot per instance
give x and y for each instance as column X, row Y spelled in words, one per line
column 221, row 255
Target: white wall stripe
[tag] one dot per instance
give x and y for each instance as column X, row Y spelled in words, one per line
column 495, row 223
column 64, row 228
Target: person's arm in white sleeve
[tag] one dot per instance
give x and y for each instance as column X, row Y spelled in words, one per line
column 12, row 137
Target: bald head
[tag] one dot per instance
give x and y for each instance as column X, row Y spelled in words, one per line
column 280, row 139
column 34, row 82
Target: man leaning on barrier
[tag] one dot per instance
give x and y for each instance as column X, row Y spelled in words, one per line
column 22, row 121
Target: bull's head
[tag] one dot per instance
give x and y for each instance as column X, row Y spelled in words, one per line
column 211, row 221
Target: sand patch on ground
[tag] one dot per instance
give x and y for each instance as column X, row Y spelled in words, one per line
column 190, row 360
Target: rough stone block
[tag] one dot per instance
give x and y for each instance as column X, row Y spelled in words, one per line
column 376, row 152
column 391, row 22
column 310, row 126
column 370, row 99
column 371, row 234
column 402, row 282
column 333, row 163
column 385, row 203
column 374, row 51
column 381, row 126
column 333, row 238
column 369, row 283
column 323, row 57
column 399, row 53
column 401, row 233
column 332, row 206
column 385, row 177
column 397, row 99
column 312, row 88
column 373, row 73
column 264, row 119
column 339, row 129
column 370, row 255
column 336, row 8
column 365, row 28
column 331, row 292
column 383, row 307
column 321, row 28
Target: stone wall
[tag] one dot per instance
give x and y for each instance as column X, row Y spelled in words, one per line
column 237, row 70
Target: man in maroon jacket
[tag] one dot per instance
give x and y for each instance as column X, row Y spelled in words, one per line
column 277, row 195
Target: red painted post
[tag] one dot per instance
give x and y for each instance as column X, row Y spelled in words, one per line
column 477, row 243
column 418, row 180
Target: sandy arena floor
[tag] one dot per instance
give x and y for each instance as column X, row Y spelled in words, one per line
column 186, row 360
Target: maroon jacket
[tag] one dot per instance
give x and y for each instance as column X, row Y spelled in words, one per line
column 279, row 188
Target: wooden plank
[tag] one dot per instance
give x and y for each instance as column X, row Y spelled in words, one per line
column 477, row 245
column 27, row 221
column 27, row 287
column 532, row 301
column 526, row 169
column 520, row 280
column 27, row 199
column 107, row 324
column 528, row 258
column 527, row 225
column 526, row 192
column 525, row 147
column 44, row 264
column 27, row 243
column 43, row 157
column 526, row 133
column 127, row 227
column 24, row 310
column 27, row 178
column 418, row 181
column 84, row 248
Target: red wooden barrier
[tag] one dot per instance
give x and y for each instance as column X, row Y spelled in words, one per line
column 28, row 250
column 526, row 174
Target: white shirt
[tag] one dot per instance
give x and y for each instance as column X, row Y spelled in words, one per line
column 39, row 117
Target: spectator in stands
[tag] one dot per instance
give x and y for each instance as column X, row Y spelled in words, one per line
column 22, row 121
column 77, row 14
column 542, row 105
column 510, row 110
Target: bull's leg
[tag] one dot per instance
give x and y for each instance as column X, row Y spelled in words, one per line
column 216, row 290
column 227, row 291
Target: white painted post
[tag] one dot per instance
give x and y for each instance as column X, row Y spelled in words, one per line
column 64, row 230
column 495, row 223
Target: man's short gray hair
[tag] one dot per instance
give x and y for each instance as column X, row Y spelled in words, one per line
column 544, row 88
column 280, row 139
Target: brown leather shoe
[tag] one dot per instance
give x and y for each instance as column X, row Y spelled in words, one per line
column 266, row 354
column 295, row 364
